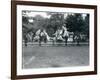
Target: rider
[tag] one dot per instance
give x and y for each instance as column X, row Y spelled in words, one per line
column 42, row 36
column 65, row 34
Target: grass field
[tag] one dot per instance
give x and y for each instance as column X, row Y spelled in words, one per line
column 55, row 56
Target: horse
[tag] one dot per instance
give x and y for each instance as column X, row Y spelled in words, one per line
column 62, row 35
column 41, row 36
column 65, row 35
column 25, row 39
column 77, row 39
column 28, row 37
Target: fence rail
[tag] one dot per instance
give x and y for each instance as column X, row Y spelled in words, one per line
column 55, row 43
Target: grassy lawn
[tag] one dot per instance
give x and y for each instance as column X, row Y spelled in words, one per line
column 53, row 56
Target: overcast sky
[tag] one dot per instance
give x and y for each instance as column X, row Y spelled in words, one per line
column 43, row 14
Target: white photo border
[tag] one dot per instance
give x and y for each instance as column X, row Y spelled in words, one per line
column 21, row 71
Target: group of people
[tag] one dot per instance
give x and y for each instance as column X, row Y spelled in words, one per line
column 61, row 35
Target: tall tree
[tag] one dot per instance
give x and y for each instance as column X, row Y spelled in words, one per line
column 86, row 27
column 55, row 21
column 75, row 23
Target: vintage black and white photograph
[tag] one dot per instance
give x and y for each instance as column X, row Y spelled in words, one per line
column 51, row 40
column 54, row 39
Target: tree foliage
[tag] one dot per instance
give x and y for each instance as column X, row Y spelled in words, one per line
column 75, row 23
column 55, row 21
